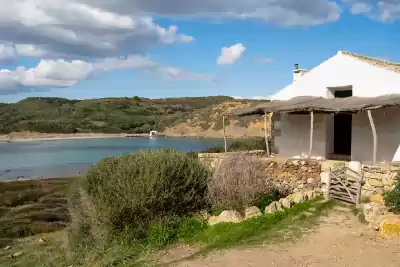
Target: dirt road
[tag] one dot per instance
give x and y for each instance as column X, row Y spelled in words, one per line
column 340, row 240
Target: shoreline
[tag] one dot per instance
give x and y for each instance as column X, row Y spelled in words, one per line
column 31, row 137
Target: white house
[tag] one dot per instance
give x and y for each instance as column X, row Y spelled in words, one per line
column 343, row 136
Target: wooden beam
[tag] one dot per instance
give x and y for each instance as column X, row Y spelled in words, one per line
column 265, row 134
column 374, row 135
column 311, row 134
column 223, row 125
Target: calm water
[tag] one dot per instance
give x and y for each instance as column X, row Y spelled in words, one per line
column 64, row 158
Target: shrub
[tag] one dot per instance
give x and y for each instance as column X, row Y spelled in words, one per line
column 128, row 194
column 257, row 143
column 238, row 182
column 392, row 199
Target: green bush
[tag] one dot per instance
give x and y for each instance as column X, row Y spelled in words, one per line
column 129, row 195
column 256, row 143
column 392, row 199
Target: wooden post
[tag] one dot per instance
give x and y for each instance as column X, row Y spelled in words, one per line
column 311, row 134
column 223, row 125
column 265, row 134
column 375, row 138
column 328, row 186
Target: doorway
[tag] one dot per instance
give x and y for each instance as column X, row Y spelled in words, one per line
column 342, row 127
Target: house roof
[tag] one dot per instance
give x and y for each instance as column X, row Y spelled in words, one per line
column 374, row 61
column 322, row 105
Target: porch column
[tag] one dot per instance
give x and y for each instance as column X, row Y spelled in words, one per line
column 224, row 130
column 265, row 134
column 311, row 134
column 374, row 135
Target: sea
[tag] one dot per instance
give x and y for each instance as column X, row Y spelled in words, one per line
column 68, row 158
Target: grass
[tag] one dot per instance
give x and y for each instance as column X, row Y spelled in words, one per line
column 32, row 207
column 266, row 229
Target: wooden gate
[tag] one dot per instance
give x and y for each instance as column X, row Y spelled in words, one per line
column 345, row 184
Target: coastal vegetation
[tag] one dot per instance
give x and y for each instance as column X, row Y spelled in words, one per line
column 118, row 115
column 243, row 144
column 129, row 207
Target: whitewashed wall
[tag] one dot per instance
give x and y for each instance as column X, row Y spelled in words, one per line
column 295, row 136
column 387, row 122
column 343, row 70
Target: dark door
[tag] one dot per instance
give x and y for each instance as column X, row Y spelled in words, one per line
column 342, row 128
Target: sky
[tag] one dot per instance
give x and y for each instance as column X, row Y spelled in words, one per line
column 83, row 49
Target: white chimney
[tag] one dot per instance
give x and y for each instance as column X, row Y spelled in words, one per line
column 297, row 72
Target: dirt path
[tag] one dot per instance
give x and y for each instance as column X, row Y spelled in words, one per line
column 339, row 241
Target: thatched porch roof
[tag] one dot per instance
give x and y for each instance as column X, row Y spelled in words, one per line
column 305, row 104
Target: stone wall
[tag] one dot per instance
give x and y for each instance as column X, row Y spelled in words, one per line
column 292, row 175
column 300, row 175
column 379, row 179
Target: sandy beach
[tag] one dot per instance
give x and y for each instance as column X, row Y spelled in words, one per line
column 31, row 136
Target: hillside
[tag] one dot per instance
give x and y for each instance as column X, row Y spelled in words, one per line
column 199, row 116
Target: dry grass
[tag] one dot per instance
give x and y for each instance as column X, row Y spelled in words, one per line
column 239, row 182
column 32, row 207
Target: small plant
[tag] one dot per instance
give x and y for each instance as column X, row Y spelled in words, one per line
column 239, row 182
column 392, row 199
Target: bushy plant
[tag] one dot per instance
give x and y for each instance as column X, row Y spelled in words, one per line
column 392, row 199
column 125, row 195
column 239, row 182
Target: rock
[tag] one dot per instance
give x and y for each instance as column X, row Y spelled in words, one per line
column 7, row 248
column 298, row 197
column 377, row 199
column 42, row 241
column 310, row 180
column 286, row 203
column 227, row 216
column 274, row 207
column 373, row 213
column 374, row 182
column 300, row 186
column 17, row 254
column 389, row 227
column 388, row 180
column 387, row 189
column 252, row 212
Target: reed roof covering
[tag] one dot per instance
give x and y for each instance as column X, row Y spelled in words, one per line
column 304, row 104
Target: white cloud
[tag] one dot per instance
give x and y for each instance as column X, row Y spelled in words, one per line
column 62, row 73
column 384, row 10
column 229, row 55
column 282, row 12
column 360, row 8
column 55, row 28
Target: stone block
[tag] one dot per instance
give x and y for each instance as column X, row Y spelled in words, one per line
column 274, row 207
column 252, row 212
column 227, row 216
column 377, row 199
column 374, row 182
column 389, row 227
column 286, row 203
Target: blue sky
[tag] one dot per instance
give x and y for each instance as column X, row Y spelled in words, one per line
column 184, row 62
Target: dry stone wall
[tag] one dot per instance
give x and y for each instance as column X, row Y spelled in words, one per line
column 292, row 175
column 379, row 179
column 302, row 175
